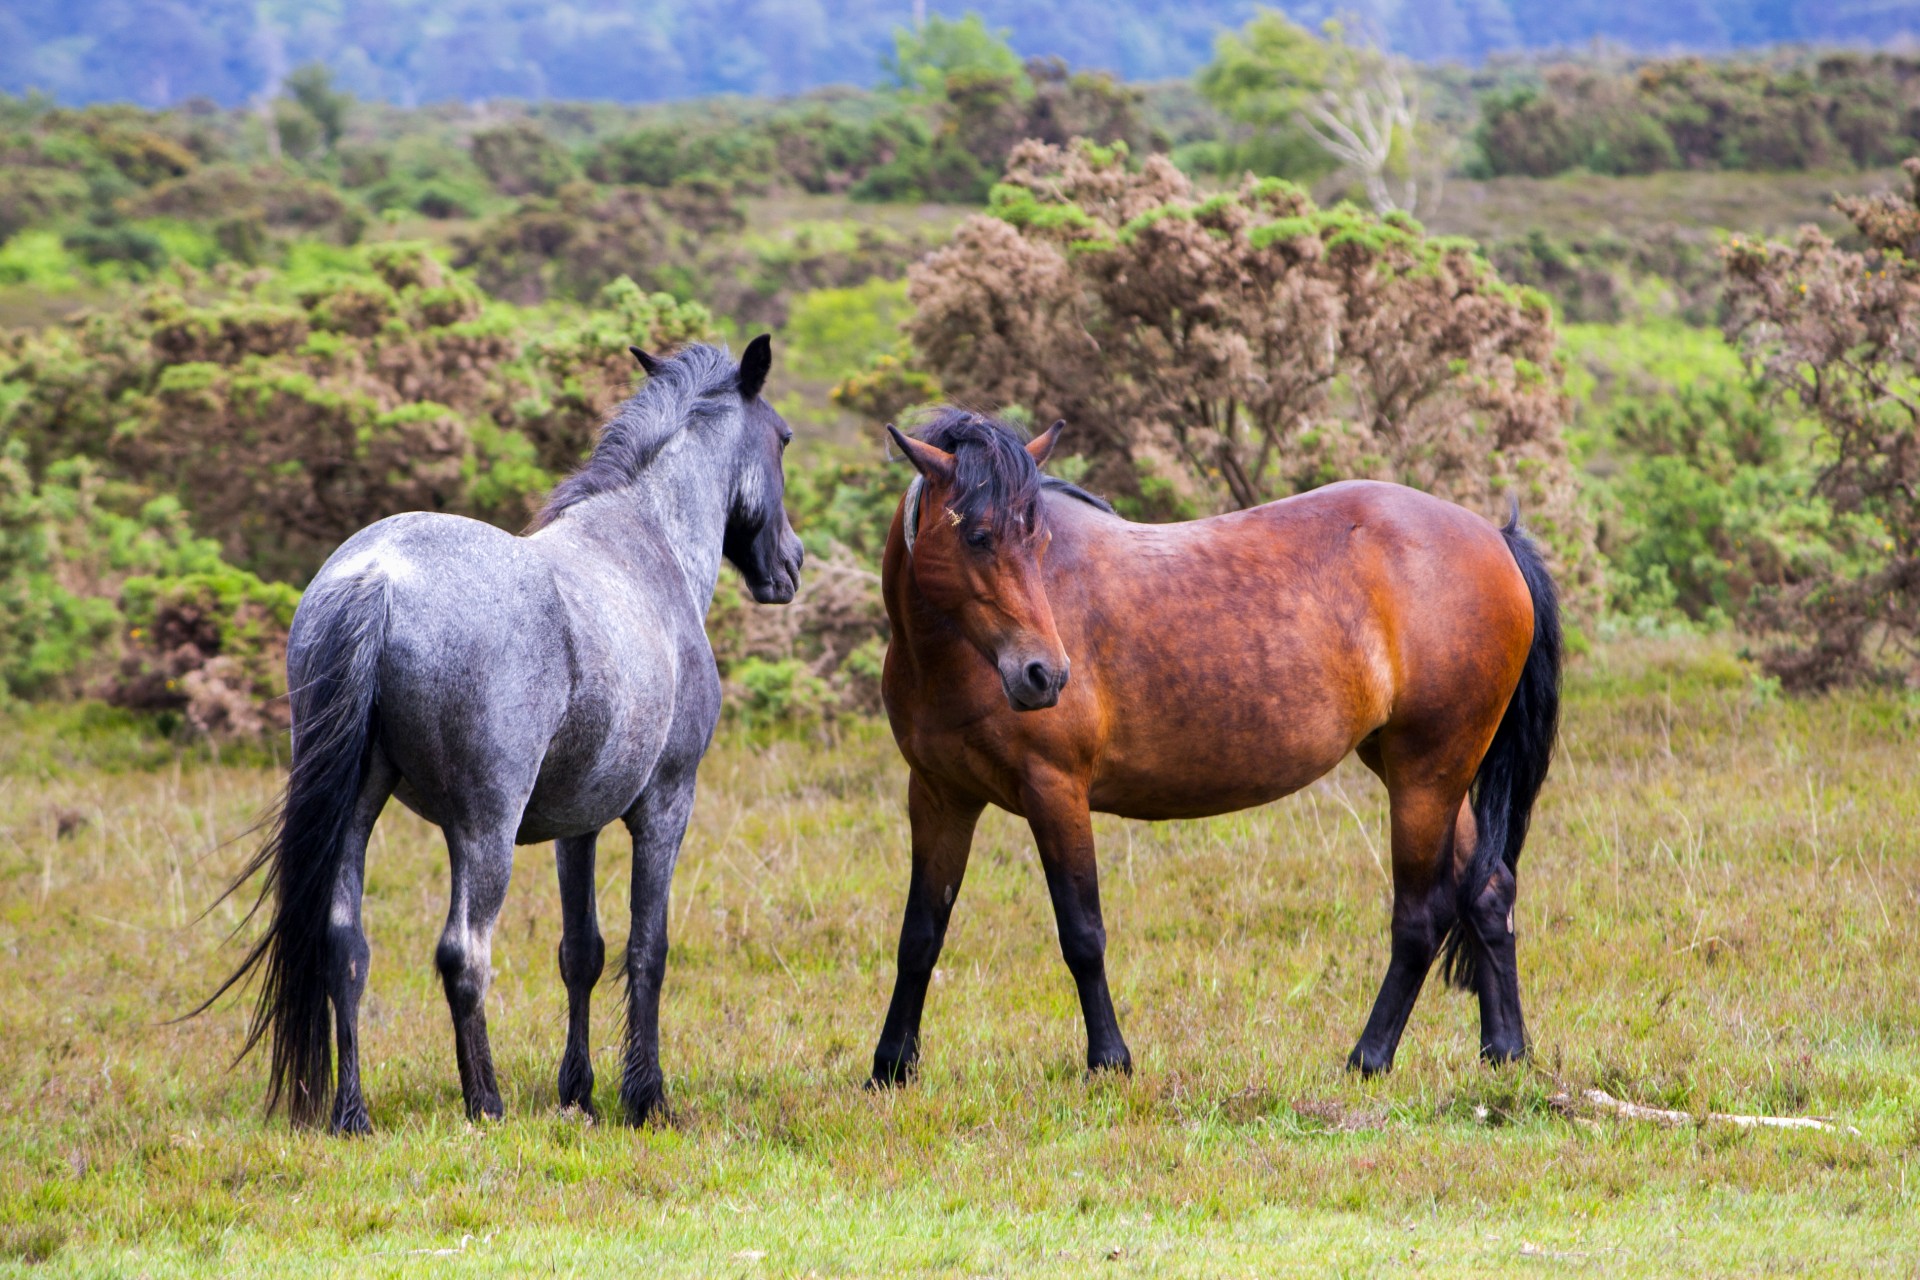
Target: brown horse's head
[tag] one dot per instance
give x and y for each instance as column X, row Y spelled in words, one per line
column 976, row 543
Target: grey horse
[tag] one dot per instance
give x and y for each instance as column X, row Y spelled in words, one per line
column 512, row 690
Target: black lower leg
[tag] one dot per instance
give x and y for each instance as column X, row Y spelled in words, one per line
column 466, row 989
column 1417, row 930
column 642, row 1092
column 1503, row 1029
column 942, row 835
column 923, row 931
column 1073, row 883
column 347, row 955
column 583, row 955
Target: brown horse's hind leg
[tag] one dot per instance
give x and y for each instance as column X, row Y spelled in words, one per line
column 1426, row 819
column 1496, row 977
column 1063, row 830
column 942, row 837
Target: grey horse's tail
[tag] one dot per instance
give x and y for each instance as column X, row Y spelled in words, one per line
column 332, row 735
column 1515, row 766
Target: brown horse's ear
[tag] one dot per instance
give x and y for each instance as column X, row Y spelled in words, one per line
column 934, row 464
column 647, row 362
column 1040, row 448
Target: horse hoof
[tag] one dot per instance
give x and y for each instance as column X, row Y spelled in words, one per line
column 486, row 1110
column 1120, row 1066
column 1495, row 1055
column 645, row 1109
column 1369, row 1064
column 351, row 1121
column 892, row 1073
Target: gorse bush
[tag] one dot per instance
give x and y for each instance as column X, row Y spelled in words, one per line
column 284, row 414
column 91, row 570
column 1219, row 352
column 1835, row 111
column 1835, row 334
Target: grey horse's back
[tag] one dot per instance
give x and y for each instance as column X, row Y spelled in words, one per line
column 476, row 668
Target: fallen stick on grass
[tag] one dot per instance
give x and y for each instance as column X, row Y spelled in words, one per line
column 1604, row 1101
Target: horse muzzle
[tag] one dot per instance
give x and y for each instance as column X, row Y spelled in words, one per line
column 1033, row 684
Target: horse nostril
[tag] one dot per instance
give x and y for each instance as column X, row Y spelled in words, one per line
column 1038, row 676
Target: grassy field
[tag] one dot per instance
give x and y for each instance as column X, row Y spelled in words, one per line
column 1717, row 913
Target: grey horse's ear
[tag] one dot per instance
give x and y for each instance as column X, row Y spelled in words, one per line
column 931, row 462
column 754, row 365
column 1040, row 448
column 647, row 362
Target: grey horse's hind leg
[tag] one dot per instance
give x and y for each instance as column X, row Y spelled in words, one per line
column 347, row 951
column 583, row 954
column 482, row 863
column 657, row 822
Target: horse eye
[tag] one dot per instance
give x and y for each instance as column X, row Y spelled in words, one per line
column 980, row 539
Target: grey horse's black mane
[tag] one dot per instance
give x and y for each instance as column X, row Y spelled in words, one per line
column 648, row 419
column 994, row 475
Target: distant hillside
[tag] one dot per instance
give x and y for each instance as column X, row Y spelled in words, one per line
column 412, row 51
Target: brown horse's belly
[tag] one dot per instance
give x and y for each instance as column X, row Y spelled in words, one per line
column 1186, row 776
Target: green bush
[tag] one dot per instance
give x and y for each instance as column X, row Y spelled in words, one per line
column 286, row 410
column 783, row 692
column 68, row 543
column 833, row 333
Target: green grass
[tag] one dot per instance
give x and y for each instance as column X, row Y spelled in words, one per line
column 1716, row 913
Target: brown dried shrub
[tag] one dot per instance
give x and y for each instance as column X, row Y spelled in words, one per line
column 1835, row 333
column 1221, row 352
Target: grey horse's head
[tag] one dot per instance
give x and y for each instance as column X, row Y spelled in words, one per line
column 734, row 452
column 760, row 541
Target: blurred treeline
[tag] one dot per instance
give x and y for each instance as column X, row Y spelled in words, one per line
column 230, row 337
column 162, row 52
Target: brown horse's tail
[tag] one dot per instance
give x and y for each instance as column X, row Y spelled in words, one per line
column 1515, row 765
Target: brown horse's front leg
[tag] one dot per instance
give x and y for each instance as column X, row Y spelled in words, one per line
column 1063, row 830
column 942, row 837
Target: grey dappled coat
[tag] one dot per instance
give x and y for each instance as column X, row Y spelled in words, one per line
column 513, row 689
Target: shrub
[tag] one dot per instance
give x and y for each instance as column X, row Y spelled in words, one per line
column 1832, row 332
column 1794, row 113
column 1221, row 352
column 210, row 647
column 286, row 412
column 519, row 159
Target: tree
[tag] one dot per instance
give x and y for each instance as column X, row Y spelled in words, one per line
column 1218, row 353
column 925, row 56
column 1348, row 101
column 311, row 87
column 1836, row 335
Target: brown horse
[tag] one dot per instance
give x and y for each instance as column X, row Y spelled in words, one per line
column 1216, row 665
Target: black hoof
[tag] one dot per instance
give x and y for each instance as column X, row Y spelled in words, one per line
column 1368, row 1063
column 576, row 1089
column 645, row 1106
column 350, row 1119
column 486, row 1109
column 1496, row 1055
column 891, row 1072
column 1120, row 1064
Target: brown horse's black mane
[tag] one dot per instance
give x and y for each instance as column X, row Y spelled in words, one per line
column 995, row 478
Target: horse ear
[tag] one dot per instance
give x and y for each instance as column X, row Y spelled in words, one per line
column 1040, row 448
column 647, row 362
column 754, row 366
column 934, row 464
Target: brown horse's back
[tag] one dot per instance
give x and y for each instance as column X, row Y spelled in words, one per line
column 1223, row 663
